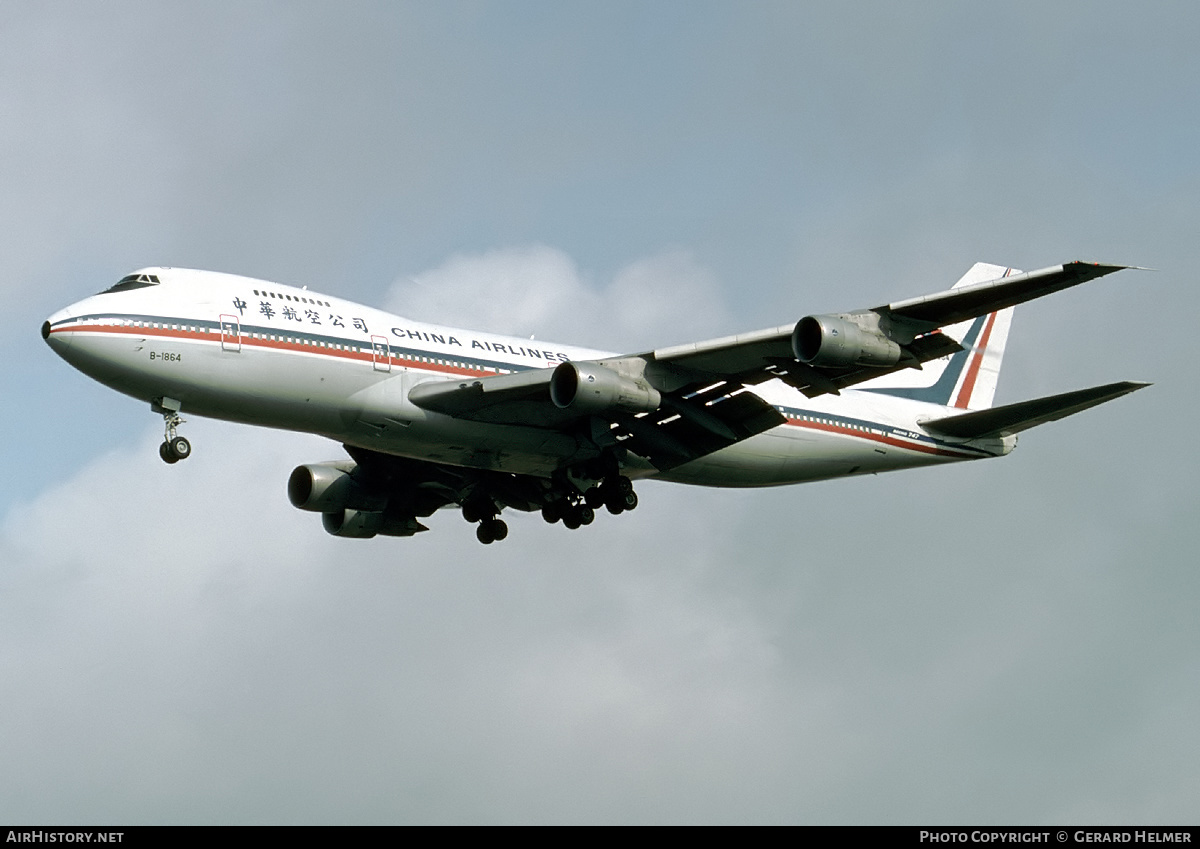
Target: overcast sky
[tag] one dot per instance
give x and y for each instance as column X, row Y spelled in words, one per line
column 1012, row 641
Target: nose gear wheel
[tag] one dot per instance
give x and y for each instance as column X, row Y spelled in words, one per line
column 174, row 447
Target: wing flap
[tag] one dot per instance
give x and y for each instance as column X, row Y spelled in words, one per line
column 696, row 421
column 1014, row 418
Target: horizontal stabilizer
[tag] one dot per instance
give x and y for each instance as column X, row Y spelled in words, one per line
column 1014, row 418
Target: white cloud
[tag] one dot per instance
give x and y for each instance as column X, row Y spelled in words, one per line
column 540, row 290
column 182, row 645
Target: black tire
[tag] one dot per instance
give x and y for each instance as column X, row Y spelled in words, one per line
column 594, row 497
column 571, row 520
column 499, row 529
column 615, row 504
column 624, row 484
column 550, row 513
column 630, row 500
column 586, row 515
column 164, row 451
column 483, row 533
column 180, row 448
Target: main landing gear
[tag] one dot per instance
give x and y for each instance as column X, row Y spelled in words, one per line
column 174, row 447
column 614, row 493
column 567, row 502
column 491, row 527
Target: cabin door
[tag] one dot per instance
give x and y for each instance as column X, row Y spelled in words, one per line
column 231, row 333
column 381, row 353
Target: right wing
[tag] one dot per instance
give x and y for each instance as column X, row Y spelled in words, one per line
column 824, row 354
column 676, row 404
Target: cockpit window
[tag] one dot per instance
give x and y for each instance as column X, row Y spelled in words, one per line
column 133, row 281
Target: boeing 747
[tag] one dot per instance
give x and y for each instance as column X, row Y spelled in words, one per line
column 436, row 417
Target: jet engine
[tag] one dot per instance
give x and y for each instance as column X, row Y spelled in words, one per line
column 831, row 340
column 591, row 388
column 329, row 488
column 364, row 524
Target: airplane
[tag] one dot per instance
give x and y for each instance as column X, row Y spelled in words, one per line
column 437, row 417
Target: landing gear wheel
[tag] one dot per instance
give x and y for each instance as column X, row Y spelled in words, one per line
column 619, row 502
column 491, row 530
column 571, row 520
column 586, row 515
column 594, row 497
column 174, row 447
column 180, row 448
column 552, row 512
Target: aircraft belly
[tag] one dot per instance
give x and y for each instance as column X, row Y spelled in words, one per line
column 769, row 459
column 791, row 454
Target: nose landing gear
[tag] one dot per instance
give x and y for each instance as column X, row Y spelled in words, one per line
column 174, row 447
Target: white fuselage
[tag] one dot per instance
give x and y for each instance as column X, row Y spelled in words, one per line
column 260, row 353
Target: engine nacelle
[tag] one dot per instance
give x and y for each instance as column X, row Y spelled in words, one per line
column 592, row 388
column 364, row 524
column 330, row 488
column 357, row 524
column 830, row 340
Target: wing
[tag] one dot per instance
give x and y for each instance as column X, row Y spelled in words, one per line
column 612, row 404
column 673, row 405
column 824, row 354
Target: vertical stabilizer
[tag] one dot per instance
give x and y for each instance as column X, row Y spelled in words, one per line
column 980, row 364
column 966, row 380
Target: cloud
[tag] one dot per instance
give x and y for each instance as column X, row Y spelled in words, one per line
column 540, row 290
column 196, row 650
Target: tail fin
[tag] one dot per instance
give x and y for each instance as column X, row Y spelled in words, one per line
column 967, row 379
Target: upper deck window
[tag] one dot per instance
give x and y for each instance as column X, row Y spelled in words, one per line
column 133, row 281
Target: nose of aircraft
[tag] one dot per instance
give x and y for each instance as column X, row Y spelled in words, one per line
column 59, row 342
